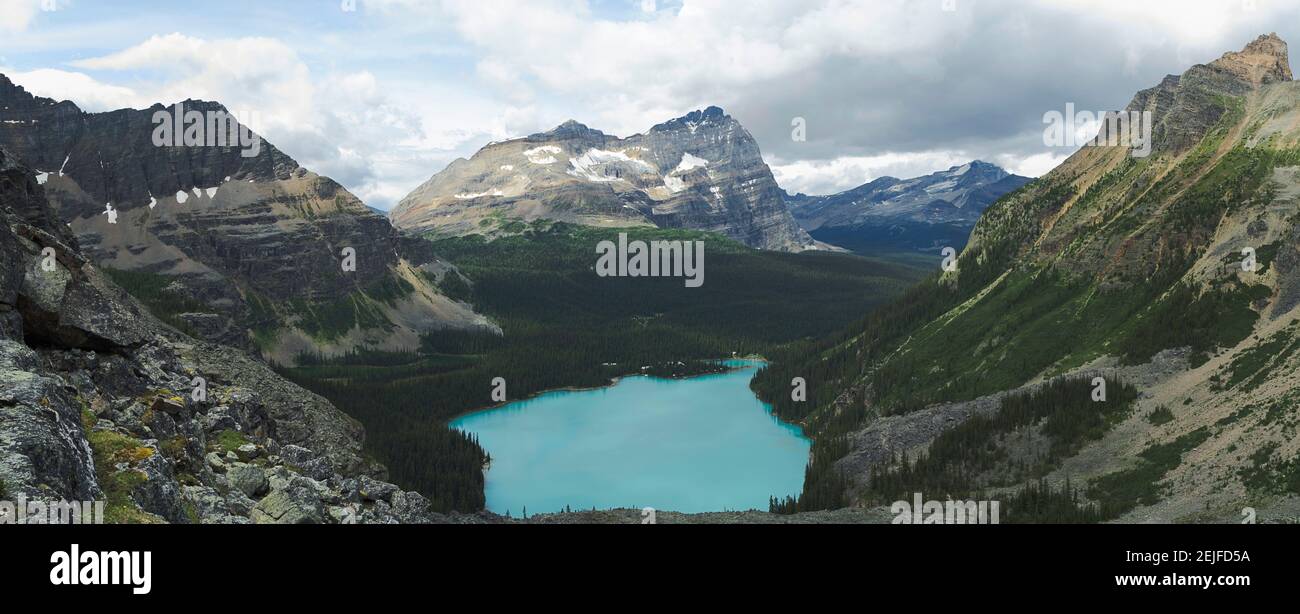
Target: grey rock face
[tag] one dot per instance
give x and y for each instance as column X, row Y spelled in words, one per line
column 43, row 451
column 703, row 171
column 158, row 492
column 1185, row 107
column 374, row 490
column 206, row 502
column 281, row 507
column 247, row 479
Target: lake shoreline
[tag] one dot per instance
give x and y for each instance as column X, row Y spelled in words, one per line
column 612, row 382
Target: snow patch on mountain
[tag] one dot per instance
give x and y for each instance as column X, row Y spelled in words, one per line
column 595, row 164
column 690, row 163
column 674, row 184
column 542, row 155
column 479, row 195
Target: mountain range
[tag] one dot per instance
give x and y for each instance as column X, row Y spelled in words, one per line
column 921, row 214
column 702, row 171
column 245, row 250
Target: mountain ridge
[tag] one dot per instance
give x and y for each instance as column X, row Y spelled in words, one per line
column 923, row 213
column 208, row 230
column 1177, row 272
column 701, row 171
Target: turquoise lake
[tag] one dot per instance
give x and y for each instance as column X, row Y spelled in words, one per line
column 691, row 445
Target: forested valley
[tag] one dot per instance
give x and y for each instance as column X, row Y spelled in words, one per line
column 566, row 327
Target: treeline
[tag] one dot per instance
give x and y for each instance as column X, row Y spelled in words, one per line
column 405, row 431
column 967, row 461
column 1027, row 438
column 824, row 485
column 1218, row 317
column 749, row 298
column 153, row 291
column 1039, row 503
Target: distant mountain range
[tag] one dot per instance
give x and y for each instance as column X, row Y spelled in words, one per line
column 922, row 214
column 242, row 250
column 702, row 171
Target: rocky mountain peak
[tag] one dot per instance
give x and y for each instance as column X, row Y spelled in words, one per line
column 978, row 171
column 570, row 129
column 710, row 116
column 11, row 93
column 701, row 171
column 1262, row 61
column 15, row 98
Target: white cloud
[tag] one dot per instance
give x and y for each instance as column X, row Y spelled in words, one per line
column 627, row 69
column 17, row 15
column 1036, row 165
column 887, row 86
column 347, row 125
column 872, row 77
column 260, row 75
column 819, row 177
column 87, row 92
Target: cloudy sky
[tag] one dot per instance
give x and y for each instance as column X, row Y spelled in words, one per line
column 380, row 94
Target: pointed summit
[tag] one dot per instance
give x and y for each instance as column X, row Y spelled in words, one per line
column 571, row 129
column 709, row 116
column 1262, row 61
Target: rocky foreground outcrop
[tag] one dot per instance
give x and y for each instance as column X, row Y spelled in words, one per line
column 101, row 401
column 702, row 171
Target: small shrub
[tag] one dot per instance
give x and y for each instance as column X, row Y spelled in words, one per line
column 110, row 449
column 230, row 440
column 1161, row 415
